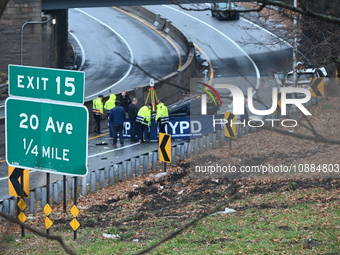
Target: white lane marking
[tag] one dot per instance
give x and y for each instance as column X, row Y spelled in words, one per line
column 228, row 38
column 83, row 54
column 120, row 148
column 5, row 178
column 127, row 45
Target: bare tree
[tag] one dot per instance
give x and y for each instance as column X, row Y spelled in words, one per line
column 302, row 9
column 320, row 41
column 318, row 26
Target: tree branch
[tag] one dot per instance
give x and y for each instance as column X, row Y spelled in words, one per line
column 40, row 233
column 147, row 73
column 303, row 11
column 316, row 138
column 265, row 3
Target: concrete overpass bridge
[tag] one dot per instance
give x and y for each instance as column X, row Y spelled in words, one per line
column 61, row 4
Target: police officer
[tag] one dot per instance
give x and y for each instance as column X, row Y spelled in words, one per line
column 132, row 112
column 162, row 116
column 98, row 112
column 144, row 120
column 124, row 100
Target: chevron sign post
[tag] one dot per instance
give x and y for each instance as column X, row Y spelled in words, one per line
column 15, row 182
column 230, row 125
column 317, row 87
column 165, row 147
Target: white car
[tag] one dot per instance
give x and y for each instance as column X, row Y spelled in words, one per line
column 304, row 76
column 225, row 10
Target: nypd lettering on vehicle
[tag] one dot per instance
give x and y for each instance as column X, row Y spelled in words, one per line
column 181, row 127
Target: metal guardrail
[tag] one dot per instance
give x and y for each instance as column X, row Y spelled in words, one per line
column 3, row 87
column 3, row 93
column 95, row 180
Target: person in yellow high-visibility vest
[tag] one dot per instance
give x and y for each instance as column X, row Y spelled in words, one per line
column 98, row 112
column 162, row 116
column 144, row 120
column 110, row 104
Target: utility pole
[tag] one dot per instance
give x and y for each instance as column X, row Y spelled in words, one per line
column 295, row 17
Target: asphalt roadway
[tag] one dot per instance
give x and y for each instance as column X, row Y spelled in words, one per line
column 99, row 156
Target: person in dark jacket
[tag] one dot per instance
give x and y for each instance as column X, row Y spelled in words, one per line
column 132, row 113
column 125, row 100
column 116, row 120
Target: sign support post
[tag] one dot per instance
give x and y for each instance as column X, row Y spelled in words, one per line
column 22, row 196
column 75, row 202
column 48, row 197
column 64, row 193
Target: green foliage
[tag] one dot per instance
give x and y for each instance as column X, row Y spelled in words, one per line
column 8, row 239
column 112, row 230
column 3, row 78
column 326, row 107
column 292, row 185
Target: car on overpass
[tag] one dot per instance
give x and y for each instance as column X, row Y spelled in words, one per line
column 225, row 11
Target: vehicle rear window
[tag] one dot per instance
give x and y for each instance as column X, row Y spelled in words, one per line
column 221, row 5
column 301, row 76
column 306, row 76
column 225, row 5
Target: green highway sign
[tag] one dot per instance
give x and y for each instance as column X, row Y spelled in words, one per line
column 54, row 84
column 46, row 136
